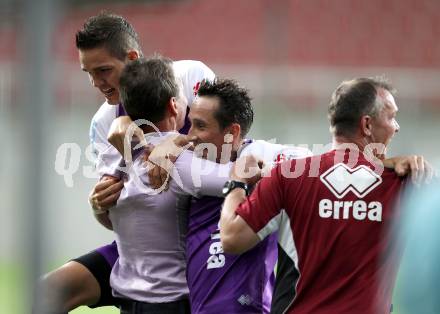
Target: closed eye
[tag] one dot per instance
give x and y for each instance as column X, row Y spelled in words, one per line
column 198, row 124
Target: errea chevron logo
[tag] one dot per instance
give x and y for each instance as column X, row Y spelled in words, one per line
column 341, row 179
column 245, row 299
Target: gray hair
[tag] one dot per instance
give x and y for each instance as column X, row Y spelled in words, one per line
column 353, row 99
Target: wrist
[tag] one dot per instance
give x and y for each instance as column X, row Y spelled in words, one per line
column 98, row 211
column 232, row 185
column 389, row 163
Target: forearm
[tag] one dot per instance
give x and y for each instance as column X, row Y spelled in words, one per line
column 228, row 214
column 236, row 236
column 199, row 177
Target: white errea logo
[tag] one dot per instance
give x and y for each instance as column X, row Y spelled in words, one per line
column 341, row 179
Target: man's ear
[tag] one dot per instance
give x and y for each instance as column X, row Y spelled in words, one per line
column 365, row 125
column 132, row 55
column 172, row 106
column 235, row 130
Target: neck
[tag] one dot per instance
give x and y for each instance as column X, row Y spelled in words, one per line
column 361, row 144
column 236, row 144
column 344, row 141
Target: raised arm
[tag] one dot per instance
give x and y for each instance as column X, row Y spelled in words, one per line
column 198, row 177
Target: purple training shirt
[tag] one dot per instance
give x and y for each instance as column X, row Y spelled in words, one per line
column 220, row 282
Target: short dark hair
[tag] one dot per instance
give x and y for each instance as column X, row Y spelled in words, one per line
column 146, row 86
column 110, row 31
column 354, row 98
column 234, row 103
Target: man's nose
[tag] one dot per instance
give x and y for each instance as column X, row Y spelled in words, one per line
column 95, row 81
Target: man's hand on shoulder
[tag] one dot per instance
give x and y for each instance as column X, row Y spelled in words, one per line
column 123, row 133
column 161, row 159
column 416, row 166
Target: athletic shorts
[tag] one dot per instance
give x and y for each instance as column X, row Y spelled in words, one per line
column 175, row 307
column 100, row 263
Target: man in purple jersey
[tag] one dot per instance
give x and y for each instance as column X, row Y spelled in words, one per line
column 220, row 282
